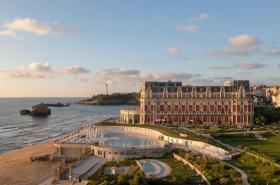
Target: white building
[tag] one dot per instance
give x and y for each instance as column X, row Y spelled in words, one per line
column 130, row 116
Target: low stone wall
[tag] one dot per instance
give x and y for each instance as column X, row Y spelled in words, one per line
column 179, row 158
column 73, row 150
column 122, row 153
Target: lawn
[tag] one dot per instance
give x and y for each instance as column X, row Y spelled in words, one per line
column 268, row 148
column 216, row 172
column 258, row 171
column 182, row 173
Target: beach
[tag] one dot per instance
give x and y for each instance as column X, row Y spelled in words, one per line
column 16, row 167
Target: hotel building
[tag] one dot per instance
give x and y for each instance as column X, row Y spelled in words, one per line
column 173, row 102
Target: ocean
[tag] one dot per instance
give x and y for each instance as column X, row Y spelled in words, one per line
column 17, row 131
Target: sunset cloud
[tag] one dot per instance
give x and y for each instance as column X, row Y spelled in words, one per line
column 28, row 25
column 250, row 65
column 244, row 40
column 75, row 69
column 44, row 70
column 122, row 75
column 32, row 70
column 240, row 45
column 14, row 27
column 174, row 50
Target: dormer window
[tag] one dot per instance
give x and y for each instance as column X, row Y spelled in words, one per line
column 222, row 92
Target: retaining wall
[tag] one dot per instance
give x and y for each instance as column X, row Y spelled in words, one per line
column 179, row 158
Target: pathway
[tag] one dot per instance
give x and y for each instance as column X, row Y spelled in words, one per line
column 244, row 176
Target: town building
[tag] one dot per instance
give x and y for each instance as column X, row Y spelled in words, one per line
column 131, row 115
column 259, row 95
column 176, row 103
column 273, row 94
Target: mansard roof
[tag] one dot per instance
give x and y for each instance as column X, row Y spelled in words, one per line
column 173, row 86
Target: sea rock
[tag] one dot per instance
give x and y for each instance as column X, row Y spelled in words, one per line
column 25, row 112
column 40, row 110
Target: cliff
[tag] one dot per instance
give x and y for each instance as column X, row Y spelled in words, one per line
column 113, row 99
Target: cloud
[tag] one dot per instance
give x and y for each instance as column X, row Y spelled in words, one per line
column 250, row 65
column 273, row 53
column 8, row 33
column 32, row 70
column 244, row 40
column 241, row 45
column 75, row 69
column 200, row 17
column 31, row 25
column 278, row 65
column 174, row 50
column 122, row 75
column 187, row 28
column 44, row 71
column 221, row 67
column 233, row 51
column 45, row 67
column 28, row 25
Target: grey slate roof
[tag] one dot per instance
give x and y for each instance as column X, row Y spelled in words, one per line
column 173, row 86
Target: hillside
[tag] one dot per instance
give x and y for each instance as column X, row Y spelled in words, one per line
column 113, row 99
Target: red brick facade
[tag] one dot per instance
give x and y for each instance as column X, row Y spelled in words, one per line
column 172, row 102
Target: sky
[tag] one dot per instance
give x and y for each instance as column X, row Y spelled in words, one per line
column 71, row 48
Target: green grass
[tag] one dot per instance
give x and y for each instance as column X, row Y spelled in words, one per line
column 269, row 148
column 216, row 172
column 257, row 174
column 182, row 173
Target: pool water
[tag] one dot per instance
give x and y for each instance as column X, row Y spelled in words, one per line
column 148, row 167
column 125, row 140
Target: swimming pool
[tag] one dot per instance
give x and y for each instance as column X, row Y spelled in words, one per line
column 126, row 140
column 154, row 167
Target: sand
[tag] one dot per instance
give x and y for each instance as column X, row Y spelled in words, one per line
column 17, row 169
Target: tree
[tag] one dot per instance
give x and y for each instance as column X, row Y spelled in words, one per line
column 260, row 120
